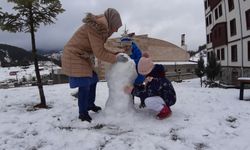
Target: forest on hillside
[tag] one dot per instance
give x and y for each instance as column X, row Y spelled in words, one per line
column 15, row 56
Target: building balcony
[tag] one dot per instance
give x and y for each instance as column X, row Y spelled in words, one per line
column 213, row 3
column 219, row 34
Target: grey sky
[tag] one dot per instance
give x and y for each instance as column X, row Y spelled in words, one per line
column 161, row 19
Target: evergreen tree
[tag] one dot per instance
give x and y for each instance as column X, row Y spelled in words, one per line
column 30, row 14
column 200, row 70
column 191, row 53
column 1, row 16
column 213, row 68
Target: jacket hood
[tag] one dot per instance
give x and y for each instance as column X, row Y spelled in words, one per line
column 98, row 23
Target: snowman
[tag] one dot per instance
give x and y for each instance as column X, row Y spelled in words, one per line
column 120, row 74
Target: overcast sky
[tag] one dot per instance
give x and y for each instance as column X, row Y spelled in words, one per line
column 161, row 19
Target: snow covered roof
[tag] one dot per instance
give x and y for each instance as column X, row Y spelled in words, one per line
column 176, row 63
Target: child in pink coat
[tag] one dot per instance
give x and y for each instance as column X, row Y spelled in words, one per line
column 156, row 92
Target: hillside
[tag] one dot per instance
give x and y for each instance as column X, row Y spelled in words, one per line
column 15, row 56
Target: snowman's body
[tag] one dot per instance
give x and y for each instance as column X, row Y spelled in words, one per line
column 119, row 75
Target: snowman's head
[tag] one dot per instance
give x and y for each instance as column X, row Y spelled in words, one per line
column 122, row 73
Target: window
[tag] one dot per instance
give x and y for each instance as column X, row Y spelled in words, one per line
column 233, row 27
column 248, row 19
column 248, row 50
column 222, row 54
column 216, row 14
column 218, row 54
column 206, row 4
column 210, row 19
column 220, row 10
column 234, row 53
column 211, row 38
column 230, row 5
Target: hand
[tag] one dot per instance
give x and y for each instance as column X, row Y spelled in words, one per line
column 119, row 50
column 121, row 58
column 128, row 89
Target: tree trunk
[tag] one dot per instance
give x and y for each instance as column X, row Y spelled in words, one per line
column 201, row 81
column 39, row 81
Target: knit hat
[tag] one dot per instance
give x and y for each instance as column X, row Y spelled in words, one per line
column 145, row 65
column 113, row 18
column 126, row 41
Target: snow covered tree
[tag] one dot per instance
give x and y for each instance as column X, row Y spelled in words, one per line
column 213, row 67
column 200, row 70
column 28, row 16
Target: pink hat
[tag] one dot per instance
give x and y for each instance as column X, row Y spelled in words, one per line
column 145, row 65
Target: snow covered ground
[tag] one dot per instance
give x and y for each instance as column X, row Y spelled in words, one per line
column 27, row 73
column 203, row 118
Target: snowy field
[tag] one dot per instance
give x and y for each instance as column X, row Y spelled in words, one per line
column 203, row 118
column 27, row 73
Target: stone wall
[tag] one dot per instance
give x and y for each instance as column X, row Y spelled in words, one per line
column 229, row 75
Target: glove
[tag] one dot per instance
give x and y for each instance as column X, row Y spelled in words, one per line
column 121, row 58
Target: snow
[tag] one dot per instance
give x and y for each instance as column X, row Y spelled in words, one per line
column 202, row 118
column 27, row 72
column 176, row 63
column 244, row 78
column 196, row 57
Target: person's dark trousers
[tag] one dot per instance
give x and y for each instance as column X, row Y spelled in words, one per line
column 83, row 99
column 92, row 95
column 86, row 98
column 92, row 91
column 86, row 95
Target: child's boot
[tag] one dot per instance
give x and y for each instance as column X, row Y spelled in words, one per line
column 164, row 113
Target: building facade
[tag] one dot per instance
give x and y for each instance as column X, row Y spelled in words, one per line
column 228, row 36
column 174, row 58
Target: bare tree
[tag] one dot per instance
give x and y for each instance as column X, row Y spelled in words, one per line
column 28, row 16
